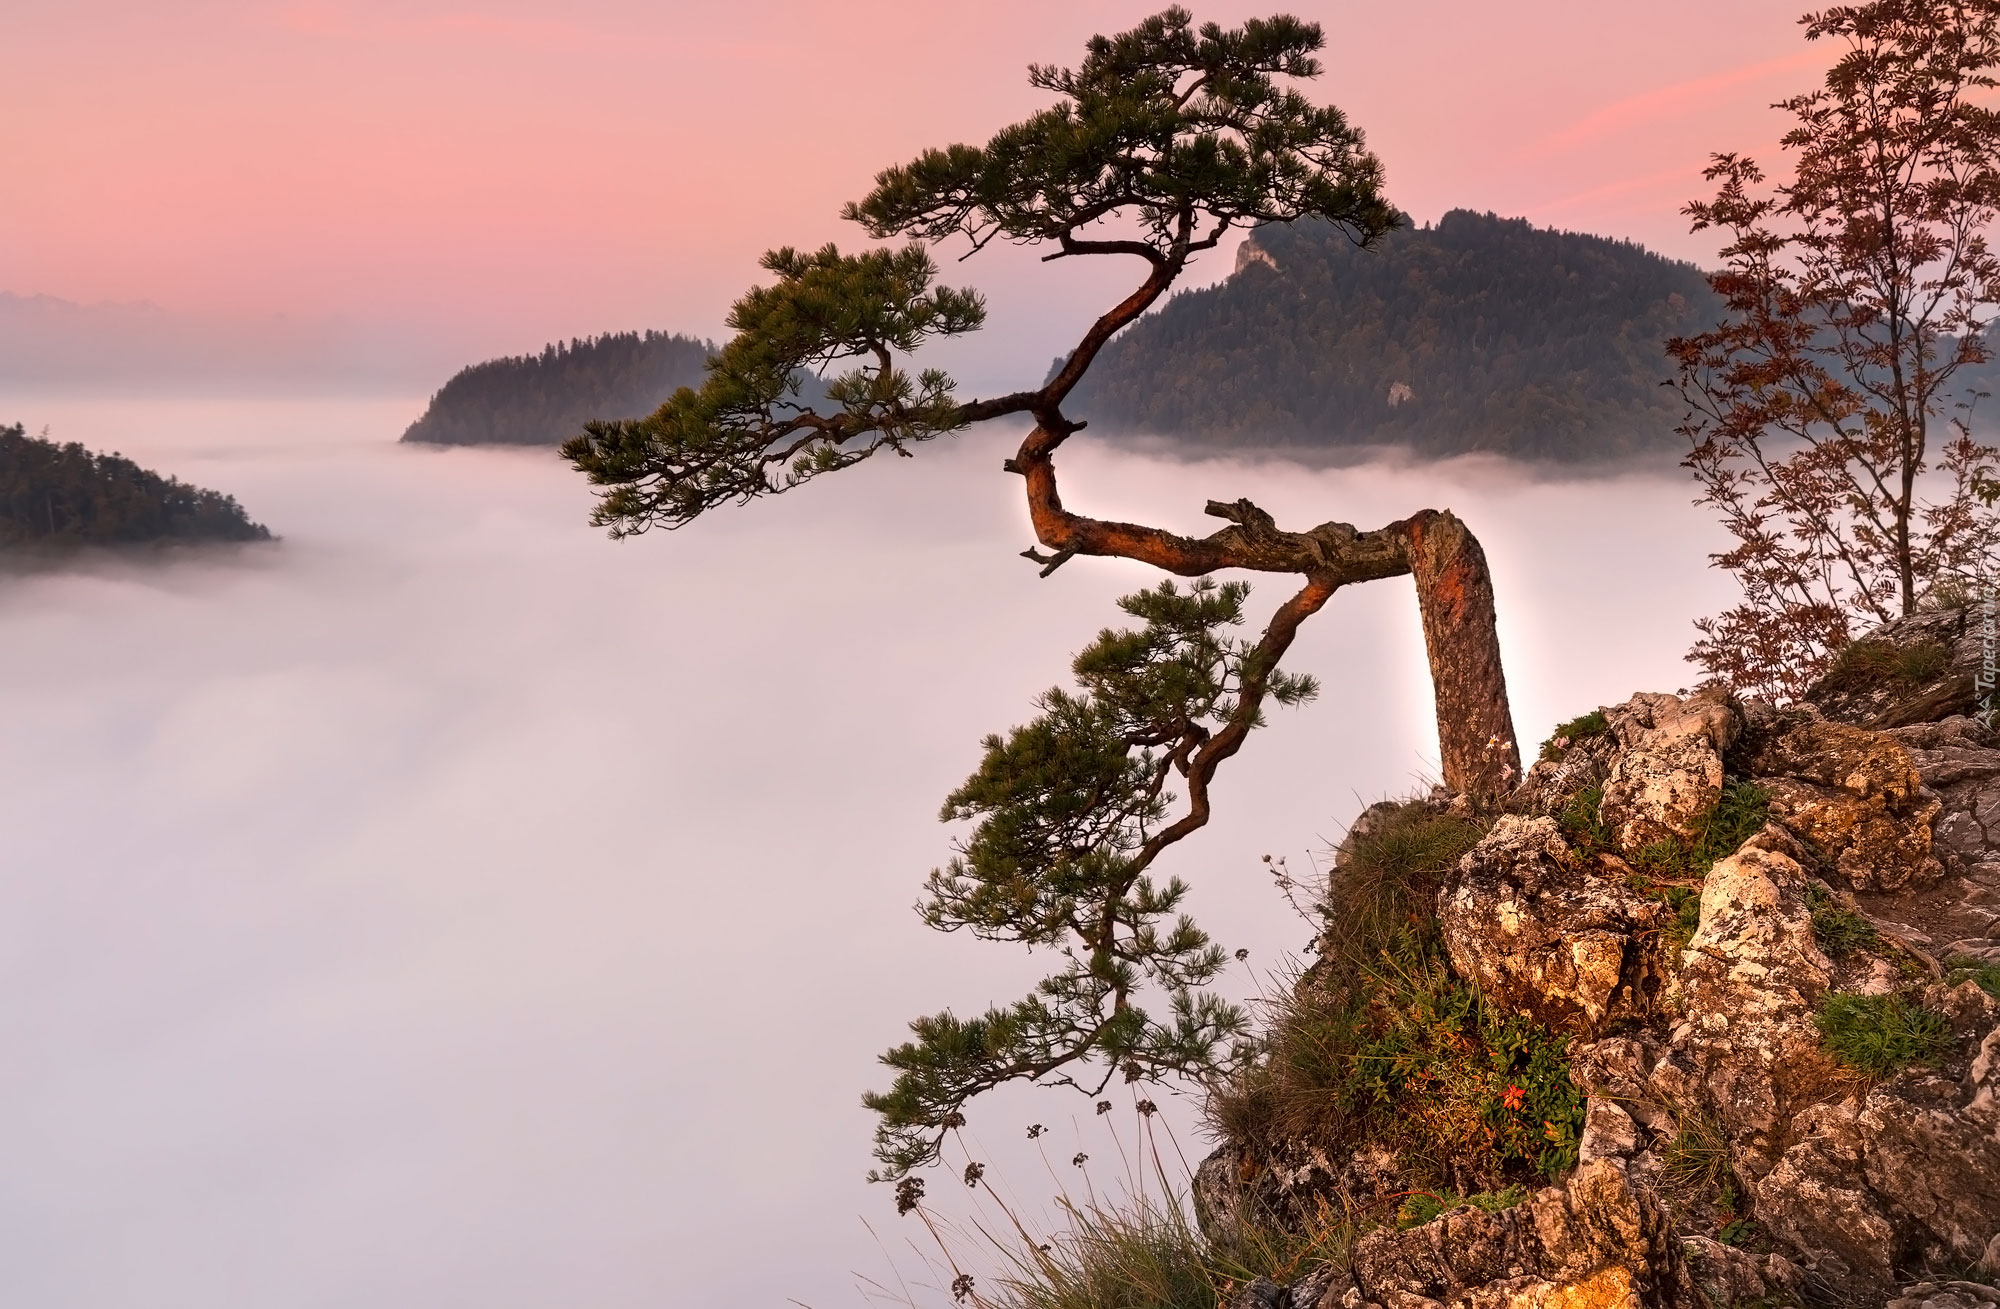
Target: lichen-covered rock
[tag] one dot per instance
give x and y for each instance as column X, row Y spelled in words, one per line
column 1750, row 981
column 1574, row 766
column 1727, row 1275
column 1945, row 1295
column 1857, row 796
column 1545, row 935
column 1597, row 1241
column 1287, row 1183
column 1669, row 770
column 1907, row 1174
column 1957, row 763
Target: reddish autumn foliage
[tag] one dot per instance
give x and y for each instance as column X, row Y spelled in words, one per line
column 1824, row 426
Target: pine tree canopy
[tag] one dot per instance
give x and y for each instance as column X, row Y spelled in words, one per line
column 1165, row 139
column 1182, row 130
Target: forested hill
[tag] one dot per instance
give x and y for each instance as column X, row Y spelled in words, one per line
column 1478, row 333
column 546, row 398
column 63, row 495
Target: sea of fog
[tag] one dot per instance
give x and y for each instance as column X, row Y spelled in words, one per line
column 448, row 906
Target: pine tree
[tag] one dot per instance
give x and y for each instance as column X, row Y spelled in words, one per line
column 1164, row 140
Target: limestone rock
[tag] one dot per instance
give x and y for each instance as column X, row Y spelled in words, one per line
column 1908, row 1173
column 1957, row 763
column 1608, row 1132
column 1575, row 765
column 1857, row 796
column 1750, row 981
column 1596, row 1241
column 1546, row 936
column 1886, row 702
column 1727, row 1275
column 1669, row 771
column 1945, row 1295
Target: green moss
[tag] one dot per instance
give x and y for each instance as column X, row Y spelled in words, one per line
column 1878, row 1034
column 1426, row 1205
column 1576, row 729
column 1838, row 930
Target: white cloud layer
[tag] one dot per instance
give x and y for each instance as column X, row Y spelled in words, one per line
column 449, row 907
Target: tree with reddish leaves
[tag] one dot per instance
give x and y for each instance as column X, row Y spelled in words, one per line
column 1162, row 142
column 1824, row 424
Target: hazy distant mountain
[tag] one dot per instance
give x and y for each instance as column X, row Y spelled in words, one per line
column 61, row 495
column 546, row 398
column 1478, row 333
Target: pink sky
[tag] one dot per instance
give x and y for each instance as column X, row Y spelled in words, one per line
column 498, row 174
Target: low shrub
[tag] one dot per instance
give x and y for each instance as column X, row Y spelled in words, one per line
column 1738, row 1232
column 1878, row 1034
column 1405, row 1053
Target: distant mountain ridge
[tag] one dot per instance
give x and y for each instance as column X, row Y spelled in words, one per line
column 1478, row 333
column 544, row 399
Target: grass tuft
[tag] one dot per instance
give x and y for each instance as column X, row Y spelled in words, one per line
column 1580, row 824
column 1878, row 1034
column 1868, row 663
column 1152, row 1255
column 1838, row 930
column 1697, row 1159
column 1385, row 883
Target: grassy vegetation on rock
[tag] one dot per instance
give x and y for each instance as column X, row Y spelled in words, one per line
column 1964, row 968
column 1384, row 1043
column 1869, row 663
column 1151, row 1255
column 1576, row 729
column 1879, row 1034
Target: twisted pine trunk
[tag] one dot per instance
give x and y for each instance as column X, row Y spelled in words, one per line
column 1454, row 592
